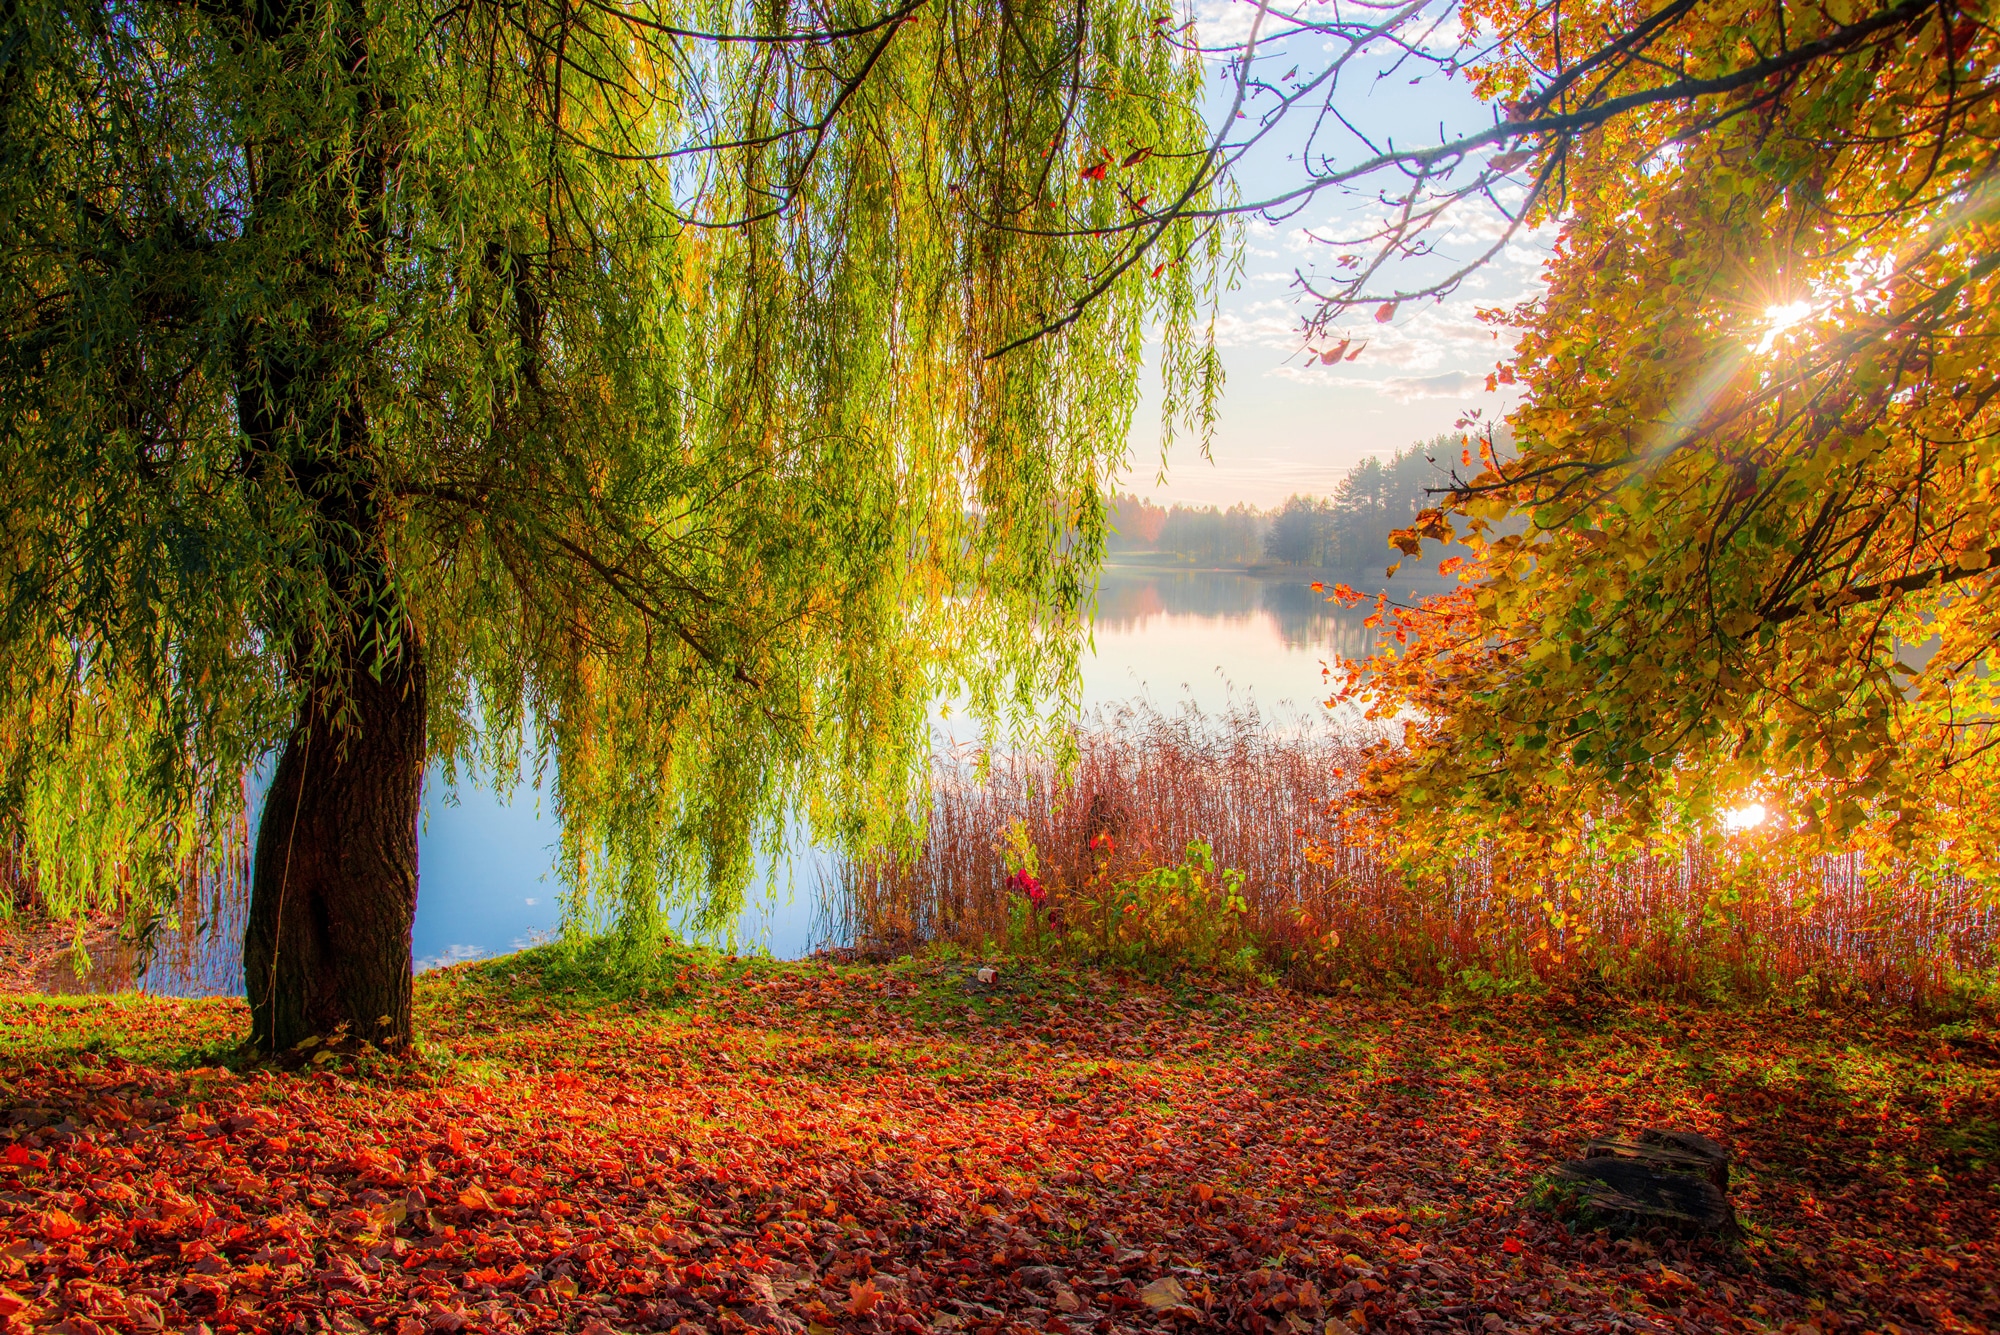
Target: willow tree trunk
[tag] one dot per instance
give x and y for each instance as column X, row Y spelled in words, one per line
column 334, row 876
column 334, row 882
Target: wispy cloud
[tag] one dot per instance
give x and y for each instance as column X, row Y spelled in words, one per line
column 1446, row 385
column 451, row 955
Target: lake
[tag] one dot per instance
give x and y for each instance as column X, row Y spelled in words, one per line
column 1212, row 638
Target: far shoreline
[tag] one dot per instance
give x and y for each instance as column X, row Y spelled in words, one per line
column 1163, row 564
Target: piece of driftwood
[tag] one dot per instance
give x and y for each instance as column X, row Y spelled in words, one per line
column 1672, row 1179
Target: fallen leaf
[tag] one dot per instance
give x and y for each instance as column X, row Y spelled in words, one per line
column 862, row 1297
column 778, row 1141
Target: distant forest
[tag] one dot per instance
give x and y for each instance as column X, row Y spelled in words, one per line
column 1347, row 532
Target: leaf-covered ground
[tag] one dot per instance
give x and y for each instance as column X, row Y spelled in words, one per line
column 803, row 1148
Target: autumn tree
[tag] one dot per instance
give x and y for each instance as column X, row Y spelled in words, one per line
column 1756, row 460
column 388, row 383
column 1741, row 541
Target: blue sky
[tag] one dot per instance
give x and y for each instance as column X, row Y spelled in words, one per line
column 1287, row 428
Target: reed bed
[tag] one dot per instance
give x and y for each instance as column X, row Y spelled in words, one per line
column 1697, row 920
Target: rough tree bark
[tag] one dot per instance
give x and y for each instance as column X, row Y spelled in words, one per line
column 334, row 882
column 334, row 875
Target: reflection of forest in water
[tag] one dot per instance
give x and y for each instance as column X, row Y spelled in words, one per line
column 192, row 947
column 1128, row 598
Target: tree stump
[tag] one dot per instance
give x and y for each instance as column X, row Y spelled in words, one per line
column 1672, row 1179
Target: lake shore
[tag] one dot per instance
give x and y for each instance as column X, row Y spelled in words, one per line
column 37, row 954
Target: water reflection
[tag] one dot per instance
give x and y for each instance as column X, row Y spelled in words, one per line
column 1129, row 598
column 195, row 949
column 1215, row 638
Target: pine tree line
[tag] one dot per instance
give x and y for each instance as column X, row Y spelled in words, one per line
column 1346, row 532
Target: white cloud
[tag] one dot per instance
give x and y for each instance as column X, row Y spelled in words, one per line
column 1445, row 385
column 1270, row 324
column 449, row 956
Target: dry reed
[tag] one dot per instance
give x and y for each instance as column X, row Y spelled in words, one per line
column 1685, row 922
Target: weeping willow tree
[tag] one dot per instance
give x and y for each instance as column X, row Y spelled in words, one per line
column 686, row 393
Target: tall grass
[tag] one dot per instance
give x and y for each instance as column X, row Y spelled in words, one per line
column 1694, row 920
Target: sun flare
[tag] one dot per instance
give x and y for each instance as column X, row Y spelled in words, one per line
column 1745, row 817
column 1778, row 319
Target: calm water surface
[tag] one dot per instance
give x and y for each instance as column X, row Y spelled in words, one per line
column 1215, row 639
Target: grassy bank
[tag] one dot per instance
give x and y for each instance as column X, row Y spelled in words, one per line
column 733, row 1144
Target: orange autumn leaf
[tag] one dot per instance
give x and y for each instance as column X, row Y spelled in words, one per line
column 862, row 1297
column 1231, row 1144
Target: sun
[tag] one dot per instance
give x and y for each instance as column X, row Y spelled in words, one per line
column 1777, row 319
column 1744, row 818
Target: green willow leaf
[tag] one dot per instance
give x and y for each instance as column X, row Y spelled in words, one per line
column 629, row 358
